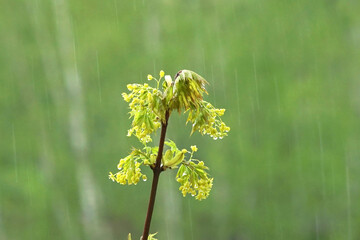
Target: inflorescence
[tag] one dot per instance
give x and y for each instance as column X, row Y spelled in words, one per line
column 148, row 107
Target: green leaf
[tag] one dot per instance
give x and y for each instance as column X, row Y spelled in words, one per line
column 152, row 158
column 176, row 160
column 167, row 156
column 172, row 146
column 180, row 171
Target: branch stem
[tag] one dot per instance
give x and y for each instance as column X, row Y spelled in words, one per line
column 156, row 170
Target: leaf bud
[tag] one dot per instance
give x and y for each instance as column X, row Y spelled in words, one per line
column 176, row 160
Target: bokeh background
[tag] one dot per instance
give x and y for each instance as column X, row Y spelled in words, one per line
column 287, row 73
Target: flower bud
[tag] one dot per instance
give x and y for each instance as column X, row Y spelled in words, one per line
column 168, row 80
column 176, row 160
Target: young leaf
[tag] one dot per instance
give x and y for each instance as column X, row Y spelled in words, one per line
column 167, row 156
column 176, row 160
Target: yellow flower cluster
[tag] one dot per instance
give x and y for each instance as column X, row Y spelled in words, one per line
column 130, row 172
column 145, row 121
column 194, row 180
column 206, row 120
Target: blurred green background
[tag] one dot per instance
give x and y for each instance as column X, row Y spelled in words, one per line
column 286, row 71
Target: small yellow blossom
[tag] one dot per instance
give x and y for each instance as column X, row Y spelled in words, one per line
column 149, row 77
column 162, row 74
column 194, row 148
column 126, row 97
column 111, row 176
column 129, row 87
column 194, row 180
column 220, row 112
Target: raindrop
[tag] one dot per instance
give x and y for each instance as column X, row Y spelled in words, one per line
column 317, row 226
column 15, row 153
column 348, row 195
column 322, row 162
column 117, row 15
column 190, row 220
column 237, row 95
column 256, row 82
column 215, row 138
column 277, row 94
column 98, row 76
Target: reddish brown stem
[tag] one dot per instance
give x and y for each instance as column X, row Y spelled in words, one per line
column 156, row 170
